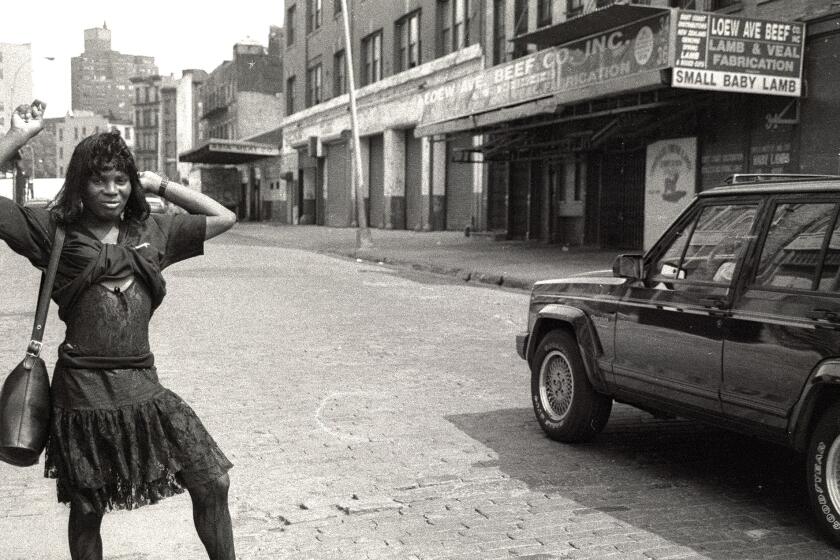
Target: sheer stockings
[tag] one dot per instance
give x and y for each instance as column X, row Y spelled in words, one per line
column 83, row 534
column 212, row 518
column 210, row 515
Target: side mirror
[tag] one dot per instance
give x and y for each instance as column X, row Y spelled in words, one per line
column 628, row 266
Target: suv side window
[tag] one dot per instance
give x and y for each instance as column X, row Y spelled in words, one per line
column 709, row 246
column 798, row 253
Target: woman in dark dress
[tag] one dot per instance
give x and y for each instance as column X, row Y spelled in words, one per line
column 118, row 439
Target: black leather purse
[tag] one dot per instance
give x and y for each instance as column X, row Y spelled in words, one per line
column 25, row 396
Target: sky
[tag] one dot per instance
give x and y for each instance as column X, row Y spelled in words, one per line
column 179, row 34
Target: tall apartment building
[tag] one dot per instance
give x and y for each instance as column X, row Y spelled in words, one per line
column 71, row 129
column 15, row 79
column 100, row 77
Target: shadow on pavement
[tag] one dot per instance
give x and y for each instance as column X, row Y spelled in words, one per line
column 719, row 493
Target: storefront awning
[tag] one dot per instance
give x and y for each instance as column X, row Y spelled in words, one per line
column 619, row 50
column 229, row 152
column 586, row 25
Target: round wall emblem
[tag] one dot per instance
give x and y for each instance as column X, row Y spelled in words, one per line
column 643, row 45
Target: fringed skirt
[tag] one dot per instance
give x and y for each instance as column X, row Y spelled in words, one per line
column 120, row 440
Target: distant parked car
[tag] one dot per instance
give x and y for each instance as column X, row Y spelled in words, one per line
column 157, row 205
column 731, row 318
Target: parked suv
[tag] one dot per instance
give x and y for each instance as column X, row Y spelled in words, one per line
column 731, row 318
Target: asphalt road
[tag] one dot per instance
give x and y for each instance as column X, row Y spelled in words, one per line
column 373, row 413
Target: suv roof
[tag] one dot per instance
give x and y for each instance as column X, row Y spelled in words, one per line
column 768, row 183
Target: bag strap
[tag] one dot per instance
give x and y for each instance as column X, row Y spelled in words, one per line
column 44, row 295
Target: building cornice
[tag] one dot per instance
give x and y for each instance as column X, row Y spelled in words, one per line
column 406, row 83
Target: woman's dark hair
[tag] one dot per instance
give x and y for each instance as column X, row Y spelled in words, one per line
column 104, row 151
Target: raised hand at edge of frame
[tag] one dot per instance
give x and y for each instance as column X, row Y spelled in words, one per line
column 28, row 120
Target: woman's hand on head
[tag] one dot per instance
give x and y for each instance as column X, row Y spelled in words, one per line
column 150, row 181
column 28, row 120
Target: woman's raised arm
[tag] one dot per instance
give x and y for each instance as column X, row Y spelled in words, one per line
column 219, row 218
column 27, row 121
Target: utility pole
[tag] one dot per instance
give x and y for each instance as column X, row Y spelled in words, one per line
column 363, row 237
column 19, row 192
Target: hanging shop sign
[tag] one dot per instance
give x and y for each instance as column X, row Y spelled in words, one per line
column 582, row 65
column 729, row 53
column 670, row 182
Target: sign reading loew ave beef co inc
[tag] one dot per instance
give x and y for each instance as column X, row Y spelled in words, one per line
column 729, row 53
column 579, row 67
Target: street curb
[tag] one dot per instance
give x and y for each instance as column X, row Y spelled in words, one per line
column 464, row 275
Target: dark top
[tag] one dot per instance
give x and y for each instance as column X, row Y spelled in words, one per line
column 100, row 321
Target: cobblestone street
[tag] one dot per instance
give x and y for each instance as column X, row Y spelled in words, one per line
column 375, row 413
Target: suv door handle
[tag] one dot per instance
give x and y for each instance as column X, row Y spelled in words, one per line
column 713, row 302
column 820, row 314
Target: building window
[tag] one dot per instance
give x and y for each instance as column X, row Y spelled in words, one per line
column 574, row 8
column 290, row 25
column 499, row 35
column 543, row 13
column 315, row 15
column 339, row 74
column 76, row 133
column 453, row 25
column 61, row 134
column 84, row 132
column 520, row 25
column 460, row 21
column 314, row 92
column 336, row 6
column 372, row 56
column 60, row 153
column 444, row 25
column 290, row 95
column 408, row 41
column 127, row 133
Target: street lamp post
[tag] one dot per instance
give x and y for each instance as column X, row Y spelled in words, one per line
column 30, row 184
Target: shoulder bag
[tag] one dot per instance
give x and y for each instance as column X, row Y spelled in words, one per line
column 25, row 396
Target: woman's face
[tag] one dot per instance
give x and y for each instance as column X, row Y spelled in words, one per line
column 106, row 195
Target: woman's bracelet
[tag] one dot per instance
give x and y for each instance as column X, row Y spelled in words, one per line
column 162, row 188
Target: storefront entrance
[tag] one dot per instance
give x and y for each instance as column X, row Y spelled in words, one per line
column 622, row 199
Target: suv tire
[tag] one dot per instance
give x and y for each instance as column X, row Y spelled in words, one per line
column 566, row 405
column 824, row 471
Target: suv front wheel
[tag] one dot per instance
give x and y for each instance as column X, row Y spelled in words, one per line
column 824, row 471
column 566, row 405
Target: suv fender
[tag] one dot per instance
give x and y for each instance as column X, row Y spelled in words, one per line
column 822, row 389
column 554, row 316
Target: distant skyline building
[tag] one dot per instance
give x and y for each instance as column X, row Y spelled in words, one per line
column 72, row 128
column 100, row 78
column 187, row 115
column 15, row 79
column 152, row 137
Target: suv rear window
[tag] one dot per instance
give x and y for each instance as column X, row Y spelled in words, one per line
column 798, row 253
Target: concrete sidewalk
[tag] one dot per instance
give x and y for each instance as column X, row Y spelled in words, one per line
column 513, row 264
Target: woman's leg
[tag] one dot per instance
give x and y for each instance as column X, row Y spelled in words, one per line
column 212, row 517
column 83, row 534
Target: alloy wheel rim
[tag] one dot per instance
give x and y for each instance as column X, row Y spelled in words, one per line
column 557, row 386
column 832, row 473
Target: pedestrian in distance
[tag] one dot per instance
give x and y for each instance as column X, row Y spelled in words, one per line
column 118, row 439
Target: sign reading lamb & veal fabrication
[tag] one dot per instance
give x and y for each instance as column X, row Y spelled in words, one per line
column 728, row 53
